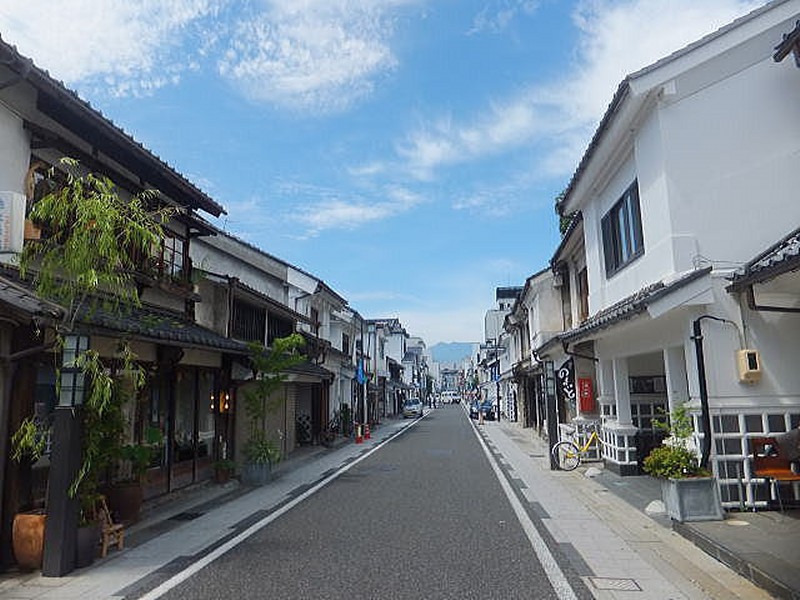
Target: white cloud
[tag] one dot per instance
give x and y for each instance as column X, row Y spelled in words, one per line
column 124, row 47
column 616, row 39
column 333, row 210
column 506, row 126
column 305, row 55
column 312, row 55
column 496, row 16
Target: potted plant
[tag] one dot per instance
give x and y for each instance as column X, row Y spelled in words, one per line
column 27, row 533
column 89, row 528
column 689, row 491
column 260, row 455
column 269, row 366
column 125, row 493
column 223, row 469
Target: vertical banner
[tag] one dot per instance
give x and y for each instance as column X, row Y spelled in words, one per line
column 565, row 379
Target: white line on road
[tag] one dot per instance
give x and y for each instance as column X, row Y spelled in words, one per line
column 182, row 576
column 554, row 573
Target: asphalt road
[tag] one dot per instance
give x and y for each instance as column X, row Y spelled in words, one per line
column 424, row 517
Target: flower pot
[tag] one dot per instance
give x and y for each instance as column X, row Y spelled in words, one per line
column 28, row 540
column 87, row 543
column 256, row 474
column 692, row 499
column 222, row 475
column 125, row 500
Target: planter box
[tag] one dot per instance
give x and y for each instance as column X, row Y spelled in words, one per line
column 87, row 544
column 692, row 499
column 256, row 475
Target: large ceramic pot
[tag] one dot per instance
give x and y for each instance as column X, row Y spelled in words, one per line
column 87, row 543
column 692, row 499
column 28, row 540
column 256, row 474
column 125, row 500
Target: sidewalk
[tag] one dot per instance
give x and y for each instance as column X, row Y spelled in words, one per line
column 183, row 528
column 763, row 546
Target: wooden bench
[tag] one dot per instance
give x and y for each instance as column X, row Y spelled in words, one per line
column 770, row 464
column 112, row 533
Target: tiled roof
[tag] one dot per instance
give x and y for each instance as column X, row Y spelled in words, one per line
column 22, row 299
column 778, row 259
column 156, row 324
column 629, row 307
column 309, row 368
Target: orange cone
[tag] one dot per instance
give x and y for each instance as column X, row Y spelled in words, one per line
column 366, row 432
column 359, row 439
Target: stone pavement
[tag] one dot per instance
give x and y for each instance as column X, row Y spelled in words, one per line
column 598, row 523
column 762, row 546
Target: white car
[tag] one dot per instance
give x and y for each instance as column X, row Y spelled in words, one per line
column 412, row 408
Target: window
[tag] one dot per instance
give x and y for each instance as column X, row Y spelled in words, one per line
column 345, row 343
column 566, row 301
column 583, row 295
column 315, row 321
column 171, row 261
column 249, row 322
column 278, row 327
column 622, row 231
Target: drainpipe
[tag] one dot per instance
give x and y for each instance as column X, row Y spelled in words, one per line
column 705, row 415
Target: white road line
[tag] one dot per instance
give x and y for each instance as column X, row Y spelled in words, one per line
column 554, row 573
column 182, row 576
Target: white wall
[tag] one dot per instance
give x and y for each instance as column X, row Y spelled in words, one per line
column 15, row 157
column 716, row 160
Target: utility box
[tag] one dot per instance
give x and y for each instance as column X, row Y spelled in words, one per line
column 749, row 363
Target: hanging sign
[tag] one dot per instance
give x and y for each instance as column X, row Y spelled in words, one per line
column 586, row 394
column 565, row 379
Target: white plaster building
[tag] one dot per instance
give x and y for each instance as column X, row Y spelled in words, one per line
column 691, row 173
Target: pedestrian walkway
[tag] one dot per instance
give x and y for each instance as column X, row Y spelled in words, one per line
column 601, row 522
column 183, row 528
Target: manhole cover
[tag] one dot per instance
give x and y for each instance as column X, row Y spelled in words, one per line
column 185, row 516
column 736, row 523
column 621, row 585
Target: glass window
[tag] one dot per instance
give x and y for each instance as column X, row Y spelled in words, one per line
column 622, row 231
column 205, row 419
column 183, row 447
column 172, row 257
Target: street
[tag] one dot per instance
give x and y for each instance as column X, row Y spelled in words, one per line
column 422, row 517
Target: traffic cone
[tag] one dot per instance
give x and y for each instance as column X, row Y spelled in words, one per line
column 359, row 439
column 366, row 432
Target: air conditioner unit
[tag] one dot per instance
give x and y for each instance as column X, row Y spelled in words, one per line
column 749, row 363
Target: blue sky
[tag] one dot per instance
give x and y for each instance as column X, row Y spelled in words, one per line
column 407, row 152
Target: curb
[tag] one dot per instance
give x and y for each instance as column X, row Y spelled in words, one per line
column 735, row 562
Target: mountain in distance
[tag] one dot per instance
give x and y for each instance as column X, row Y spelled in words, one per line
column 452, row 352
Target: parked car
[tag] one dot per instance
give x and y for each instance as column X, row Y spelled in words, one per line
column 412, row 408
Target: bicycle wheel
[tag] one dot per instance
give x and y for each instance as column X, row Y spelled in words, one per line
column 567, row 455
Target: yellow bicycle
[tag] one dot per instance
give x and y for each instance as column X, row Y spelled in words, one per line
column 568, row 454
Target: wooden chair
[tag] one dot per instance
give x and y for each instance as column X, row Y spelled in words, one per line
column 772, row 465
column 112, row 533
